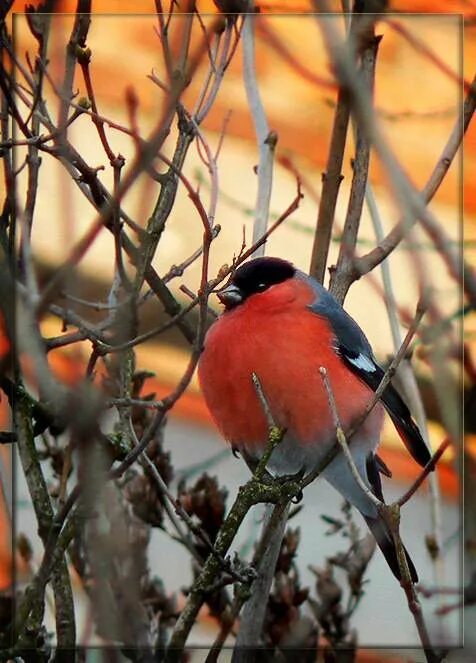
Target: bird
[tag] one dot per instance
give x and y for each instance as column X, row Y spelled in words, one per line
column 283, row 326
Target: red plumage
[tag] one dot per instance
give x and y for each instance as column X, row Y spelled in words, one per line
column 276, row 336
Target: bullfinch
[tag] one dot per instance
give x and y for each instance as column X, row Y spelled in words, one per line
column 284, row 326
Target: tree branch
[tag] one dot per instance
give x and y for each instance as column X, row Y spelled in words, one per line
column 65, row 623
column 410, row 201
column 266, row 139
column 391, row 515
column 342, row 274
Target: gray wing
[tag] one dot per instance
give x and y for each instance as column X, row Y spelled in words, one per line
column 352, row 345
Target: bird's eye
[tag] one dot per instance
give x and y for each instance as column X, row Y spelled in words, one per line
column 261, row 286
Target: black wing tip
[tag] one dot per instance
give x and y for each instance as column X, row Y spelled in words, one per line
column 390, row 554
column 386, row 544
column 406, row 426
column 411, row 436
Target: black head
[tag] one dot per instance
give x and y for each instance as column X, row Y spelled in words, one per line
column 253, row 277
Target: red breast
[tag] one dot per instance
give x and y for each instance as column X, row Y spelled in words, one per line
column 276, row 336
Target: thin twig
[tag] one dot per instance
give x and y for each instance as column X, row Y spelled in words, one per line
column 332, row 453
column 79, row 33
column 179, row 270
column 172, row 505
column 84, row 59
column 420, row 46
column 392, row 367
column 409, row 381
column 391, row 515
column 265, row 28
column 266, row 140
column 341, row 439
column 216, row 71
column 429, row 467
column 140, row 163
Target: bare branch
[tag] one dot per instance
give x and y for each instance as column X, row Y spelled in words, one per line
column 411, row 202
column 331, row 180
column 366, row 263
column 266, row 139
column 141, row 162
column 429, row 467
column 66, row 629
column 391, row 515
column 341, row 276
column 341, row 439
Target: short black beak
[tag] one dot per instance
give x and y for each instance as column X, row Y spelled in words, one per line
column 230, row 296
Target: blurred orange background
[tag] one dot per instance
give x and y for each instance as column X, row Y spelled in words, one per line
column 417, row 101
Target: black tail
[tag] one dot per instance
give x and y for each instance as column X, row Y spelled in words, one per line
column 385, row 542
column 379, row 528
